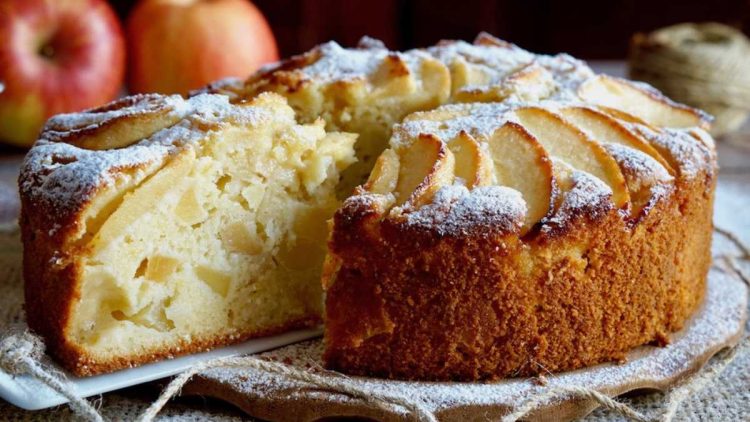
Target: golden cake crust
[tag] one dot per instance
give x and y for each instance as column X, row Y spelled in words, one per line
column 484, row 304
column 444, row 279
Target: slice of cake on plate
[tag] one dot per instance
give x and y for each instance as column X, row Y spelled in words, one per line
column 157, row 226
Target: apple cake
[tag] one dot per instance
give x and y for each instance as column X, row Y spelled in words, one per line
column 541, row 218
column 491, row 213
column 156, row 226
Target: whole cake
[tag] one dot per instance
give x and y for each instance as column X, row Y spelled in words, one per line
column 513, row 213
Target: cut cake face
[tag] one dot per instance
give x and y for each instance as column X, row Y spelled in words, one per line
column 204, row 224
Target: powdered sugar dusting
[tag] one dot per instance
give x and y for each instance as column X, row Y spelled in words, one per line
column 500, row 62
column 588, row 196
column 640, row 170
column 63, row 176
column 719, row 320
column 477, row 119
column 136, row 105
column 648, row 180
column 692, row 155
column 336, row 63
column 569, row 73
column 455, row 210
column 495, row 61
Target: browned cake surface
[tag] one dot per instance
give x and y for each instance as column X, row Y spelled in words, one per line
column 448, row 280
column 408, row 303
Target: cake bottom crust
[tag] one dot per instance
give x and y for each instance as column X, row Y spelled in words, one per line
column 79, row 363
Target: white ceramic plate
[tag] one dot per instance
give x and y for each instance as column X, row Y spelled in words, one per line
column 27, row 393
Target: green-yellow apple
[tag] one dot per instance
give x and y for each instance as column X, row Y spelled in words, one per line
column 55, row 57
column 175, row 46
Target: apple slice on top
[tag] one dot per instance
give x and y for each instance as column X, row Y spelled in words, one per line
column 489, row 40
column 115, row 125
column 521, row 163
column 606, row 129
column 533, row 75
column 530, row 83
column 563, row 180
column 624, row 117
column 563, row 140
column 440, row 114
column 384, row 176
column 392, row 78
column 472, row 164
column 430, row 166
column 641, row 101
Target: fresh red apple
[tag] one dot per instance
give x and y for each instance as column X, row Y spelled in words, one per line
column 55, row 57
column 175, row 46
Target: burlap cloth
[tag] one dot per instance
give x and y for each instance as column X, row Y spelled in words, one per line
column 727, row 399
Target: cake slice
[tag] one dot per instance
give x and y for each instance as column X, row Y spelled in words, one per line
column 158, row 226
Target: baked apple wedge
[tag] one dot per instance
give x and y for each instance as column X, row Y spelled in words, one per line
column 384, row 176
column 530, row 83
column 431, row 166
column 142, row 200
column 645, row 176
column 624, row 117
column 472, row 164
column 641, row 101
column 441, row 114
column 606, row 129
column 118, row 124
column 563, row 140
column 521, row 163
column 563, row 174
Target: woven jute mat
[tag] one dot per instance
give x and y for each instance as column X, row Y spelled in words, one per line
column 727, row 397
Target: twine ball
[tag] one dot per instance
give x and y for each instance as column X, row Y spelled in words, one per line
column 703, row 65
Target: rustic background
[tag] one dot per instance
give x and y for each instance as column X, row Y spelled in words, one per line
column 589, row 29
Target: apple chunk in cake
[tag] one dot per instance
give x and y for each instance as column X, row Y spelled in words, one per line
column 207, row 230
